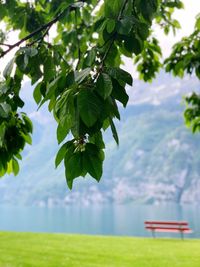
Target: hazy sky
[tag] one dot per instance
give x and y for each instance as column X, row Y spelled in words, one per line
column 186, row 18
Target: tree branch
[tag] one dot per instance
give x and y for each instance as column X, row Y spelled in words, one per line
column 2, row 44
column 112, row 40
column 40, row 29
column 114, row 35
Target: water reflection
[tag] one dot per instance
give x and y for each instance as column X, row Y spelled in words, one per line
column 102, row 220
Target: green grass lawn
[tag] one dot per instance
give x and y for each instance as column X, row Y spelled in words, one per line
column 56, row 250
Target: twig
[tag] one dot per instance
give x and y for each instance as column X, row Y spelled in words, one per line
column 40, row 29
column 113, row 37
column 122, row 10
column 41, row 37
column 78, row 41
column 8, row 45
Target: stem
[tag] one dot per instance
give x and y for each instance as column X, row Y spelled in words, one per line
column 134, row 11
column 122, row 10
column 108, row 50
column 41, row 37
column 78, row 41
column 113, row 37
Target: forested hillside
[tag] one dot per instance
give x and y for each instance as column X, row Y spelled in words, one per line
column 158, row 159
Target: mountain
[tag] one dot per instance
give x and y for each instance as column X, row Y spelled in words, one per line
column 157, row 160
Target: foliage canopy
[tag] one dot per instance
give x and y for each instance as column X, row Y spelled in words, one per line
column 78, row 73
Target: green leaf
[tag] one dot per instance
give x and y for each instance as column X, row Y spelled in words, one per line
column 65, row 105
column 3, row 88
column 35, row 69
column 110, row 25
column 197, row 24
column 120, row 75
column 93, row 161
column 26, row 59
column 73, row 167
column 89, row 106
column 97, row 139
column 77, row 4
column 27, row 138
column 114, row 131
column 113, row 57
column 8, row 69
column 2, row 170
column 90, row 58
column 37, row 94
column 51, row 88
column 143, row 30
column 2, row 133
column 70, row 79
column 104, row 85
column 112, row 8
column 133, row 44
column 9, row 167
column 18, row 156
column 2, row 12
column 125, row 25
column 119, row 93
column 30, row 51
column 61, row 154
column 148, row 9
column 5, row 109
column 28, row 123
column 177, row 4
column 49, row 69
column 18, row 101
column 81, row 75
column 20, row 63
column 112, row 108
column 15, row 166
column 64, row 128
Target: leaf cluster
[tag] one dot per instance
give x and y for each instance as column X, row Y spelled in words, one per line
column 183, row 60
column 78, row 72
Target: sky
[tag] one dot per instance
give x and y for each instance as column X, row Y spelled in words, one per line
column 186, row 18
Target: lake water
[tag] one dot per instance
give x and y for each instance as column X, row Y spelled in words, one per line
column 127, row 220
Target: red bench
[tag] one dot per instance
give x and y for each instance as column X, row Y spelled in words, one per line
column 170, row 227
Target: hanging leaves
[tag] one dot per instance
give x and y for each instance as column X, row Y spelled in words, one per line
column 104, row 85
column 89, row 106
column 78, row 72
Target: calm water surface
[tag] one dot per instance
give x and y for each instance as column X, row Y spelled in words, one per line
column 125, row 220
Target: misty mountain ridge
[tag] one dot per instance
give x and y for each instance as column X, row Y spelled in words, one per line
column 157, row 159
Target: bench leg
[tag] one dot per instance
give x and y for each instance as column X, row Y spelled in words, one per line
column 182, row 235
column 153, row 234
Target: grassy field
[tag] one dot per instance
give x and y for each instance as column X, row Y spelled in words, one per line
column 57, row 250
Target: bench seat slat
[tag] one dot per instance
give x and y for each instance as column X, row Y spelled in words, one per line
column 172, row 231
column 168, row 229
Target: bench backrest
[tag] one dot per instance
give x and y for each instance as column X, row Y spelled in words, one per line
column 166, row 224
column 172, row 223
